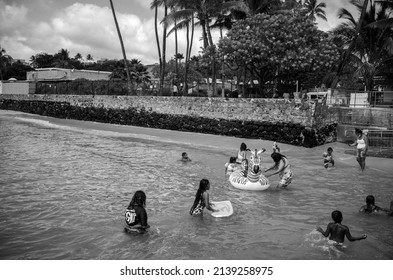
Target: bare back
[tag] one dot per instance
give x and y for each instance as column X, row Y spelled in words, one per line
column 338, row 232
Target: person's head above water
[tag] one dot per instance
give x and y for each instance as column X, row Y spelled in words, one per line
column 370, row 199
column 337, row 216
column 139, row 198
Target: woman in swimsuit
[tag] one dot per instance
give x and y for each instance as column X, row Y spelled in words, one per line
column 136, row 216
column 202, row 199
column 281, row 164
column 361, row 144
column 242, row 153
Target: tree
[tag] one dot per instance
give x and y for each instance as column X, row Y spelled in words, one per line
column 122, row 48
column 314, row 10
column 269, row 49
column 17, row 70
column 368, row 44
column 78, row 56
column 62, row 59
column 42, row 60
column 5, row 60
column 89, row 57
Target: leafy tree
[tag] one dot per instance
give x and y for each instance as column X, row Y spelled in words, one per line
column 17, row 70
column 5, row 60
column 268, row 49
column 42, row 60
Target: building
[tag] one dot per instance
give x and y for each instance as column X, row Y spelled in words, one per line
column 61, row 74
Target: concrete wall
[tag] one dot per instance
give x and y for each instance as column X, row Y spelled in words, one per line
column 16, row 87
column 264, row 110
column 58, row 74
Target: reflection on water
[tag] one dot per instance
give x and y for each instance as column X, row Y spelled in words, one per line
column 64, row 189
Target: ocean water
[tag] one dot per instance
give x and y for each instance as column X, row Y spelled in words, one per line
column 64, row 186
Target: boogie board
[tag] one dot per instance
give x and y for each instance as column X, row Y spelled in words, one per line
column 224, row 209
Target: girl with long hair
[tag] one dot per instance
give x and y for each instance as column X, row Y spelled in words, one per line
column 135, row 215
column 202, row 199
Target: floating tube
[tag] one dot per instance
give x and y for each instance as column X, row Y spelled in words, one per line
column 255, row 180
column 258, row 183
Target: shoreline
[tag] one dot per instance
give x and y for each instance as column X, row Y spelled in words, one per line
column 342, row 152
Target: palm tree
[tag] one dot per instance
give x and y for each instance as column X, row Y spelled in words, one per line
column 369, row 48
column 5, row 60
column 78, row 56
column 122, row 49
column 89, row 57
column 314, row 10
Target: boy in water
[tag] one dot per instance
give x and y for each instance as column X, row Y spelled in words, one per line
column 370, row 206
column 328, row 157
column 337, row 231
column 184, row 157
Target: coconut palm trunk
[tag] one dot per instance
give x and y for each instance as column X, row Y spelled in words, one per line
column 129, row 83
column 157, row 41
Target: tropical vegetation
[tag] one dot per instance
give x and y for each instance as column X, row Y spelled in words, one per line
column 255, row 48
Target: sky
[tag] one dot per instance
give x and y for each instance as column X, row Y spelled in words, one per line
column 30, row 27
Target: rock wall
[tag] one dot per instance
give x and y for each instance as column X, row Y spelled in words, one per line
column 286, row 121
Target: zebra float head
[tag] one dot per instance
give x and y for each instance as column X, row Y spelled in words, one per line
column 254, row 164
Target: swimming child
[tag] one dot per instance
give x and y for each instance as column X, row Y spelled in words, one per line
column 328, row 157
column 202, row 199
column 370, row 206
column 361, row 144
column 281, row 164
column 337, row 231
column 135, row 215
column 230, row 166
column 184, row 157
column 242, row 153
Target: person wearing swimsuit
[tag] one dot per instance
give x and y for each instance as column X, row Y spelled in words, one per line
column 281, row 164
column 361, row 144
column 135, row 215
column 337, row 231
column 242, row 153
column 202, row 199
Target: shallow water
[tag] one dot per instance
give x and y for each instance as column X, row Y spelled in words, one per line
column 65, row 185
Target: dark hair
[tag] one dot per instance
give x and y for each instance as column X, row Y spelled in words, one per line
column 370, row 199
column 232, row 159
column 358, row 131
column 183, row 154
column 139, row 198
column 337, row 216
column 277, row 156
column 203, row 184
column 243, row 147
column 330, row 149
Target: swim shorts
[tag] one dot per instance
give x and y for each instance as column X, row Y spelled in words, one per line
column 286, row 178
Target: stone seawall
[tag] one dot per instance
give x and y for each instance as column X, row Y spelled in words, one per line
column 286, row 121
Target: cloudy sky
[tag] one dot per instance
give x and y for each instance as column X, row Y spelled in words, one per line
column 29, row 27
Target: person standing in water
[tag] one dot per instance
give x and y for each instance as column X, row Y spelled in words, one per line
column 202, row 199
column 336, row 231
column 135, row 215
column 281, row 164
column 361, row 144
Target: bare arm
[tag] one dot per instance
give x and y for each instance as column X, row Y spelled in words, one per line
column 208, row 205
column 353, row 238
column 279, row 166
column 326, row 232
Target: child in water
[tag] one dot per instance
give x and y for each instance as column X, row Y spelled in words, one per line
column 328, row 157
column 184, row 157
column 202, row 199
column 337, row 231
column 370, row 206
column 281, row 164
column 135, row 215
column 242, row 153
column 230, row 166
